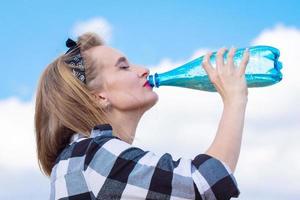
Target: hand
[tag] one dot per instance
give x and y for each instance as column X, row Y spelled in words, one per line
column 228, row 80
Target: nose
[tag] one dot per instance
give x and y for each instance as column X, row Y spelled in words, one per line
column 143, row 72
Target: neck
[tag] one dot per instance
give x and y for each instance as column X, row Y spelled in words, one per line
column 124, row 124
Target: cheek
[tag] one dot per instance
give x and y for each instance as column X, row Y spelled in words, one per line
column 123, row 93
column 127, row 93
column 127, row 97
column 125, row 84
column 134, row 98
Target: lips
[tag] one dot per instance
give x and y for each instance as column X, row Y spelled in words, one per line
column 146, row 84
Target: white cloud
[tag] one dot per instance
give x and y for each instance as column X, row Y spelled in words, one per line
column 18, row 163
column 17, row 146
column 98, row 25
column 184, row 123
column 22, row 183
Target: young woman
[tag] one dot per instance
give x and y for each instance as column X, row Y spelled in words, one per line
column 88, row 105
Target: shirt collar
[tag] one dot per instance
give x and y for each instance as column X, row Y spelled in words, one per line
column 100, row 129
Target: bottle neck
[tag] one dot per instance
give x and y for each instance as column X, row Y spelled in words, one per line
column 153, row 80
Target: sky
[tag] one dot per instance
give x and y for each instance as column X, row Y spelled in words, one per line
column 159, row 35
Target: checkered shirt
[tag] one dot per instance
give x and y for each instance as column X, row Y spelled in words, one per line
column 103, row 166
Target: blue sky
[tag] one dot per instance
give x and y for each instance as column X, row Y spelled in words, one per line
column 33, row 32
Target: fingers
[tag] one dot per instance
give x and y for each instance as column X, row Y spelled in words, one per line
column 230, row 58
column 244, row 62
column 220, row 59
column 206, row 63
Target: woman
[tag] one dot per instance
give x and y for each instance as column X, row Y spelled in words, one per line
column 88, row 105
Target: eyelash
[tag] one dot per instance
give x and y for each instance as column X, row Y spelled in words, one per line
column 124, row 67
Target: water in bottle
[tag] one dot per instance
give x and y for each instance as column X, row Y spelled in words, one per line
column 263, row 69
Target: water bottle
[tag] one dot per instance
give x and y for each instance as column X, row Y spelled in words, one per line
column 263, row 69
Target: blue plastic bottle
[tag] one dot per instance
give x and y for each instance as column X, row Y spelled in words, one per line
column 263, row 69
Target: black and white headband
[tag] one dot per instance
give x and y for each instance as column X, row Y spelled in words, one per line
column 75, row 60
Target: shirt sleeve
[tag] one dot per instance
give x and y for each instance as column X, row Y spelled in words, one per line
column 115, row 169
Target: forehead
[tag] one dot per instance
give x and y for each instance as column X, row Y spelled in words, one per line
column 105, row 55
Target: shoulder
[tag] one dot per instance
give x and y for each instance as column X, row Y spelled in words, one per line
column 81, row 149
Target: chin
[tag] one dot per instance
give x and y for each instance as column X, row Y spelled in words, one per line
column 152, row 101
column 143, row 104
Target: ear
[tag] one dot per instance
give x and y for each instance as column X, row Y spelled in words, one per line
column 102, row 99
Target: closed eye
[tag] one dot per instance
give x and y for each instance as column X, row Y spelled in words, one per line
column 122, row 63
column 124, row 66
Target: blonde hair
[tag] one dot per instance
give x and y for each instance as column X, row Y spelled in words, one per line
column 64, row 105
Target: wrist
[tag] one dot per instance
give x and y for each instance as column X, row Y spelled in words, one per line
column 242, row 101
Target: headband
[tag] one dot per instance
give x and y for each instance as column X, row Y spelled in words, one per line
column 75, row 60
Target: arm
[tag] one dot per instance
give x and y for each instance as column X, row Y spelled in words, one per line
column 227, row 143
column 230, row 82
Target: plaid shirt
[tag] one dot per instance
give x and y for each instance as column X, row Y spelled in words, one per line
column 105, row 167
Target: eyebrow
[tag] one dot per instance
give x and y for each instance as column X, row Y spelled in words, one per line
column 121, row 59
